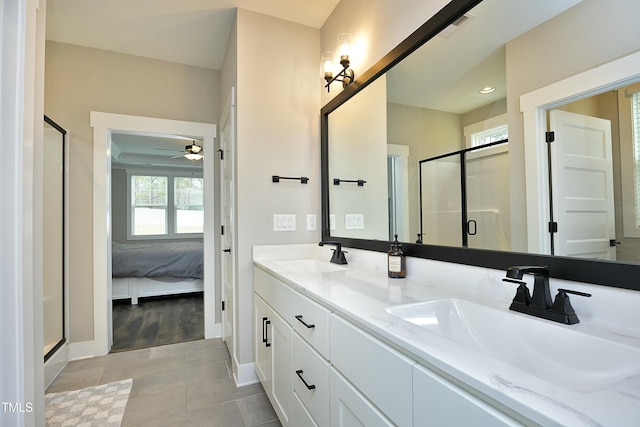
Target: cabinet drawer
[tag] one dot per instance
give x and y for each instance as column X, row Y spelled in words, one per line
column 311, row 380
column 381, row 373
column 349, row 408
column 311, row 321
column 438, row 402
column 274, row 292
column 301, row 417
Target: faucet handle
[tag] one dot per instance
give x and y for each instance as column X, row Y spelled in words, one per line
column 562, row 305
column 338, row 257
column 523, row 297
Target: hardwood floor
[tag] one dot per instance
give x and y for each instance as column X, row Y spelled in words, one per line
column 157, row 321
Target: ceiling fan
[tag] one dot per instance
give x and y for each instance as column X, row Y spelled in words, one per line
column 191, row 152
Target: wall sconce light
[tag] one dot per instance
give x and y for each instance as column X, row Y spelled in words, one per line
column 193, row 152
column 345, row 75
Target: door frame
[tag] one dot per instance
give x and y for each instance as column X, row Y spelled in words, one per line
column 534, row 106
column 103, row 124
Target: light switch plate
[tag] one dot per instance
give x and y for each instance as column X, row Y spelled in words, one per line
column 354, row 221
column 332, row 221
column 312, row 223
column 284, row 222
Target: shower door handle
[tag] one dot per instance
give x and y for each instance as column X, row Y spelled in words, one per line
column 472, row 222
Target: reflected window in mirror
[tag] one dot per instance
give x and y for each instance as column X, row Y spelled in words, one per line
column 629, row 109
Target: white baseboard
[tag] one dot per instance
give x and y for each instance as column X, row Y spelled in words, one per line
column 85, row 350
column 216, row 331
column 245, row 374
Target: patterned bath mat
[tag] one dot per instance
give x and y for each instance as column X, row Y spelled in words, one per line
column 102, row 405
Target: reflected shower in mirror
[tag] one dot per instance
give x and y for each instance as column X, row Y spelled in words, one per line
column 445, row 91
column 432, row 110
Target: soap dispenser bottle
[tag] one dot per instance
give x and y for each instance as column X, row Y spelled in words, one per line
column 396, row 262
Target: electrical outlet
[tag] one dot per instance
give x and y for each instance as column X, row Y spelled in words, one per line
column 284, row 222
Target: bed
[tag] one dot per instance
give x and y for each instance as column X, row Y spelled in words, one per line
column 154, row 269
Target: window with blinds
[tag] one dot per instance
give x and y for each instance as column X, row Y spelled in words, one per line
column 166, row 206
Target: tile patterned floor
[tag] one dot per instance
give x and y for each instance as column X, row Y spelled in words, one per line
column 186, row 384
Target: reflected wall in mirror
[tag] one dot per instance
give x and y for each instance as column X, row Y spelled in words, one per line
column 53, row 210
column 432, row 105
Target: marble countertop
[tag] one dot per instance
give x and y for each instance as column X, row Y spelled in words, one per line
column 362, row 292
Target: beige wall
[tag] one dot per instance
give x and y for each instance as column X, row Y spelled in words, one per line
column 79, row 80
column 358, row 149
column 278, row 133
column 376, row 27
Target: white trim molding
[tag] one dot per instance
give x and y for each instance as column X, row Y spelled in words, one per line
column 103, row 124
column 534, row 105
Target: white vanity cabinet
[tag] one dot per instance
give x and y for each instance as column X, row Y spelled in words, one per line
column 438, row 402
column 320, row 368
column 272, row 345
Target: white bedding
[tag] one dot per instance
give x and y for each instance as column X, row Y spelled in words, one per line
column 140, row 287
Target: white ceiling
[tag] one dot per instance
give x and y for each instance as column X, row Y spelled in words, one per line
column 150, row 150
column 469, row 58
column 192, row 32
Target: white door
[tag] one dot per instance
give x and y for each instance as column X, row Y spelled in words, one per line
column 227, row 236
column 582, row 186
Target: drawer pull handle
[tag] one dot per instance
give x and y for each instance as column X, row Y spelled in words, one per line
column 299, row 317
column 309, row 387
column 264, row 330
column 266, row 333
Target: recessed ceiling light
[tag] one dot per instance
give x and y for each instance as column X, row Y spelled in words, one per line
column 487, row 89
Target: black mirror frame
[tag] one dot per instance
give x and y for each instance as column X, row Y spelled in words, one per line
column 609, row 273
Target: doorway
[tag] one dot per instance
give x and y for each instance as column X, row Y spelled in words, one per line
column 534, row 106
column 581, row 178
column 103, row 124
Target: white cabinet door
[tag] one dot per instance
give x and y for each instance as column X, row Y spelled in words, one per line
column 279, row 334
column 261, row 347
column 349, row 408
column 437, row 402
column 273, row 364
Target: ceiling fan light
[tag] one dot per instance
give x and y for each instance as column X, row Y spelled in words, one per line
column 193, row 156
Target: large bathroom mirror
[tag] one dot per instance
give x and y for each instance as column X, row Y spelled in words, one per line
column 402, row 148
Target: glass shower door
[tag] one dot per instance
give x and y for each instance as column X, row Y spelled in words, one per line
column 53, row 236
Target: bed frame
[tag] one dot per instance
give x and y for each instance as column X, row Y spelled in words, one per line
column 140, row 287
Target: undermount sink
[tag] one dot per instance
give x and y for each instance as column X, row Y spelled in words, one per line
column 309, row 266
column 554, row 353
